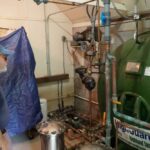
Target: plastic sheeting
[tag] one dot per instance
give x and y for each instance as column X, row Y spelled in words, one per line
column 19, row 85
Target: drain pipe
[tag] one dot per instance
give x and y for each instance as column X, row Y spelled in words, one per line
column 107, row 72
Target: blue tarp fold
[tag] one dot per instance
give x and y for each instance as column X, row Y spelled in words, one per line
column 19, row 84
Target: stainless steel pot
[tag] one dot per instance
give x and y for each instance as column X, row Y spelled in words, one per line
column 52, row 135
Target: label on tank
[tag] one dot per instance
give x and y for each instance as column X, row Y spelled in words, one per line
column 147, row 71
column 133, row 67
column 135, row 137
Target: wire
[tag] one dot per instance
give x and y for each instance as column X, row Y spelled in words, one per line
column 87, row 11
column 93, row 9
column 68, row 48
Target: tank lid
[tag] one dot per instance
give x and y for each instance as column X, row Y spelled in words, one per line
column 51, row 128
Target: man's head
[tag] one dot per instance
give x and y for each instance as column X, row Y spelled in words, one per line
column 4, row 53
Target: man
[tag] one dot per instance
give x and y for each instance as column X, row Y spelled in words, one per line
column 4, row 53
column 4, row 140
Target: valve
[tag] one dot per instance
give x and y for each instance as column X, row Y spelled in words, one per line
column 87, row 80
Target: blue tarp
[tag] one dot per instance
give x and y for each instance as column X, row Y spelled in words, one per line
column 18, row 84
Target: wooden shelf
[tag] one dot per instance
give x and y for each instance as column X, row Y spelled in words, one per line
column 53, row 78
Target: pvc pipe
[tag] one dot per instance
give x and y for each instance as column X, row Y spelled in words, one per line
column 130, row 119
column 107, row 26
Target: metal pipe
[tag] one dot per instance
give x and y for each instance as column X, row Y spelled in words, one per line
column 61, row 96
column 58, row 92
column 114, row 86
column 130, row 119
column 47, row 44
column 90, row 109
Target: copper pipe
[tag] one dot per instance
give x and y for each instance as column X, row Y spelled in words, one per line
column 84, row 99
column 90, row 107
column 114, row 86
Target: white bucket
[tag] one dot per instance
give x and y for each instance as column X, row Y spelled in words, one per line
column 43, row 103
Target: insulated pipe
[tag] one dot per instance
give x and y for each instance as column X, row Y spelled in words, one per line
column 107, row 72
column 107, row 25
column 108, row 102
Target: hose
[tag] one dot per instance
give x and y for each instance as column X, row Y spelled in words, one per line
column 87, row 11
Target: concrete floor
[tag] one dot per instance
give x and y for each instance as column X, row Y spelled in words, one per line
column 20, row 142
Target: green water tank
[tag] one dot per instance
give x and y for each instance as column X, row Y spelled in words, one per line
column 133, row 89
